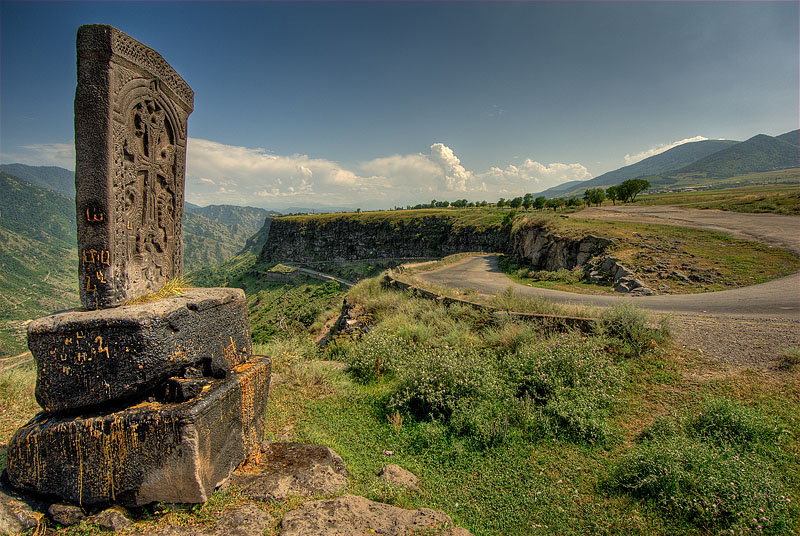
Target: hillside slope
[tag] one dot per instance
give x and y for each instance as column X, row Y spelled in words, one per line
column 38, row 264
column 676, row 157
column 759, row 153
column 52, row 177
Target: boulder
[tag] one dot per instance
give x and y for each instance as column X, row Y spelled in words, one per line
column 90, row 358
column 146, row 453
column 395, row 474
column 350, row 515
column 285, row 469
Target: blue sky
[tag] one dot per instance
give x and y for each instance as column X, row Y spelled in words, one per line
column 374, row 104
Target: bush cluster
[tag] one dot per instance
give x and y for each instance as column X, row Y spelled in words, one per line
column 562, row 386
column 710, row 471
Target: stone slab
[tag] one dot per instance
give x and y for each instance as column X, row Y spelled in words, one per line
column 175, row 453
column 88, row 358
column 350, row 515
column 286, row 469
column 131, row 113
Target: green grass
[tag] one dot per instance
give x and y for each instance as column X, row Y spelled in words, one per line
column 516, row 431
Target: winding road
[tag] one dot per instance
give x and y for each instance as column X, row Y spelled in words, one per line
column 750, row 324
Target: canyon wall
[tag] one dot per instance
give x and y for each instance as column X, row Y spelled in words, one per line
column 347, row 238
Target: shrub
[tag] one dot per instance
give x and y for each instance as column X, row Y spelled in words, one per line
column 571, row 382
column 378, row 353
column 727, row 422
column 437, row 380
column 715, row 488
column 571, row 277
column 626, row 328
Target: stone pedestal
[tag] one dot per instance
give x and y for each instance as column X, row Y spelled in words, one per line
column 88, row 358
column 149, row 452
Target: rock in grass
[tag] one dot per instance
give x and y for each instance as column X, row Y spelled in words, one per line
column 114, row 519
column 66, row 514
column 286, row 469
column 248, row 520
column 350, row 515
column 395, row 474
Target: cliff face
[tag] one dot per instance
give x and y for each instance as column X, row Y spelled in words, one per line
column 545, row 250
column 346, row 239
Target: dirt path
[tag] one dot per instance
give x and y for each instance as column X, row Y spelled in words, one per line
column 744, row 327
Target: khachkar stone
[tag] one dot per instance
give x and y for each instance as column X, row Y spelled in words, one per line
column 131, row 110
column 153, row 401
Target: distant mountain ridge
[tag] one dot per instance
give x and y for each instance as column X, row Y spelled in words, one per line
column 676, row 157
column 705, row 160
column 759, row 153
column 55, row 178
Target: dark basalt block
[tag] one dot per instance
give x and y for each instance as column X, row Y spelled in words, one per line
column 175, row 453
column 88, row 358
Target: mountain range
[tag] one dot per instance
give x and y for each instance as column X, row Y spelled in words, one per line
column 698, row 161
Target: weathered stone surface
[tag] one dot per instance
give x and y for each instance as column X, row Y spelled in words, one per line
column 350, row 515
column 86, row 358
column 395, row 474
column 547, row 251
column 146, row 453
column 114, row 519
column 286, row 469
column 66, row 514
column 16, row 516
column 131, row 112
column 249, row 520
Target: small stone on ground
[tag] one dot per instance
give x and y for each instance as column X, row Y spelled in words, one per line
column 66, row 514
column 350, row 515
column 397, row 475
column 16, row 517
column 113, row 519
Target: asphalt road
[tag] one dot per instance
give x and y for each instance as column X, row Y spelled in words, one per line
column 779, row 298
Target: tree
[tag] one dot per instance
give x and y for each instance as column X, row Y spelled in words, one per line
column 501, row 203
column 515, row 203
column 539, row 202
column 594, row 196
column 574, row 202
column 629, row 189
column 612, row 192
column 527, row 201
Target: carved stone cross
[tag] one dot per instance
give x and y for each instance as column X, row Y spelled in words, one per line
column 131, row 110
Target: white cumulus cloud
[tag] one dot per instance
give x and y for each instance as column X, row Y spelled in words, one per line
column 44, row 154
column 217, row 173
column 652, row 151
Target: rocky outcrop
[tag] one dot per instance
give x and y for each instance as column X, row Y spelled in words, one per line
column 344, row 238
column 545, row 250
column 609, row 270
column 347, row 237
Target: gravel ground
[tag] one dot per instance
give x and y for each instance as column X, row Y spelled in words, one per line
column 740, row 342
